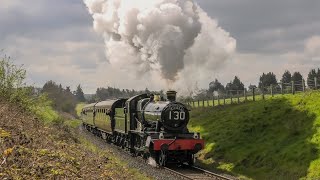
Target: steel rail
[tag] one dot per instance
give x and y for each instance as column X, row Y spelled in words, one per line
column 203, row 174
column 212, row 173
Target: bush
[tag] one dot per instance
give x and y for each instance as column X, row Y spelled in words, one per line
column 14, row 89
column 12, row 86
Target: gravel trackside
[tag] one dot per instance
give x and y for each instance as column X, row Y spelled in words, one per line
column 133, row 162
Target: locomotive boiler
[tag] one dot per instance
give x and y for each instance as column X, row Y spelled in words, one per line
column 146, row 125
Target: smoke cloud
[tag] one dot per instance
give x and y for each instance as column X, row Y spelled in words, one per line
column 174, row 38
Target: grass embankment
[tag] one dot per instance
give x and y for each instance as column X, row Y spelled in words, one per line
column 278, row 138
column 31, row 148
column 37, row 143
column 79, row 108
column 228, row 100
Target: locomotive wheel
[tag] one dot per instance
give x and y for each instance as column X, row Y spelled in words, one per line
column 163, row 158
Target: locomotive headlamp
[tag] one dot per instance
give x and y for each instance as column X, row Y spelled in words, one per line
column 161, row 136
column 195, row 136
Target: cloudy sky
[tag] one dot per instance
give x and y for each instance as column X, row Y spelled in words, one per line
column 55, row 41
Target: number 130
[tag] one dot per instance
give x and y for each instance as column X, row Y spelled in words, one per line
column 177, row 115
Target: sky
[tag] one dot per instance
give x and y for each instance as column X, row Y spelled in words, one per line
column 55, row 40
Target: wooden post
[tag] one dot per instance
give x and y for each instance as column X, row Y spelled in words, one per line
column 245, row 95
column 315, row 83
column 238, row 97
column 281, row 87
column 231, row 97
column 303, row 88
column 253, row 94
column 271, row 87
column 213, row 101
column 292, row 87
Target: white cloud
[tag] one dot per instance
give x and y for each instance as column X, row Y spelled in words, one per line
column 250, row 66
column 54, row 40
column 312, row 47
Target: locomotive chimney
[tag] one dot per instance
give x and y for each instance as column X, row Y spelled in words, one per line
column 171, row 95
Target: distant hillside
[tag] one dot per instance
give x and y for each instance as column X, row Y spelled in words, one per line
column 273, row 139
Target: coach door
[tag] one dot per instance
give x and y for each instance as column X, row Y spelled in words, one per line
column 126, row 111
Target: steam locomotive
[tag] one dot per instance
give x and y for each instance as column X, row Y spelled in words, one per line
column 145, row 125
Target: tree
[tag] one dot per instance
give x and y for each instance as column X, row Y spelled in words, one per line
column 267, row 80
column 310, row 80
column 235, row 85
column 62, row 99
column 201, row 94
column 297, row 77
column 216, row 86
column 312, row 76
column 79, row 94
column 286, row 77
column 251, row 87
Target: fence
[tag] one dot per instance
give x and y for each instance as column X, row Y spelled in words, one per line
column 254, row 94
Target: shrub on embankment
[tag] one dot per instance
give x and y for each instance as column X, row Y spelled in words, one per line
column 35, row 143
column 273, row 139
column 14, row 90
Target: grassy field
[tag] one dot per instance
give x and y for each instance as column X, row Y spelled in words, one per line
column 278, row 138
column 216, row 102
column 79, row 108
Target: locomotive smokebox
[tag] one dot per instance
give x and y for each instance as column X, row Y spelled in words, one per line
column 171, row 95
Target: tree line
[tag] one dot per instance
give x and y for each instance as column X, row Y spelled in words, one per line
column 65, row 100
column 265, row 80
column 114, row 93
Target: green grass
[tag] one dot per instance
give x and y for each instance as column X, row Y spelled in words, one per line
column 227, row 101
column 278, row 138
column 73, row 123
column 46, row 113
column 79, row 108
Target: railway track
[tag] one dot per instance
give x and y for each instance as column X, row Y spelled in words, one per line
column 195, row 173
column 184, row 171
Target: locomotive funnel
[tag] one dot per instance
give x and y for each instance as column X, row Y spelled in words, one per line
column 171, row 95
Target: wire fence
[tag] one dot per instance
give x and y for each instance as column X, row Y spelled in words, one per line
column 254, row 93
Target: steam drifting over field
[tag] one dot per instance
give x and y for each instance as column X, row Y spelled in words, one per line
column 175, row 38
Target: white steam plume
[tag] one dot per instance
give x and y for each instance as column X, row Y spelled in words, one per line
column 165, row 36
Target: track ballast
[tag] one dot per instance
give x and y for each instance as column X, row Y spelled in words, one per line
column 195, row 173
